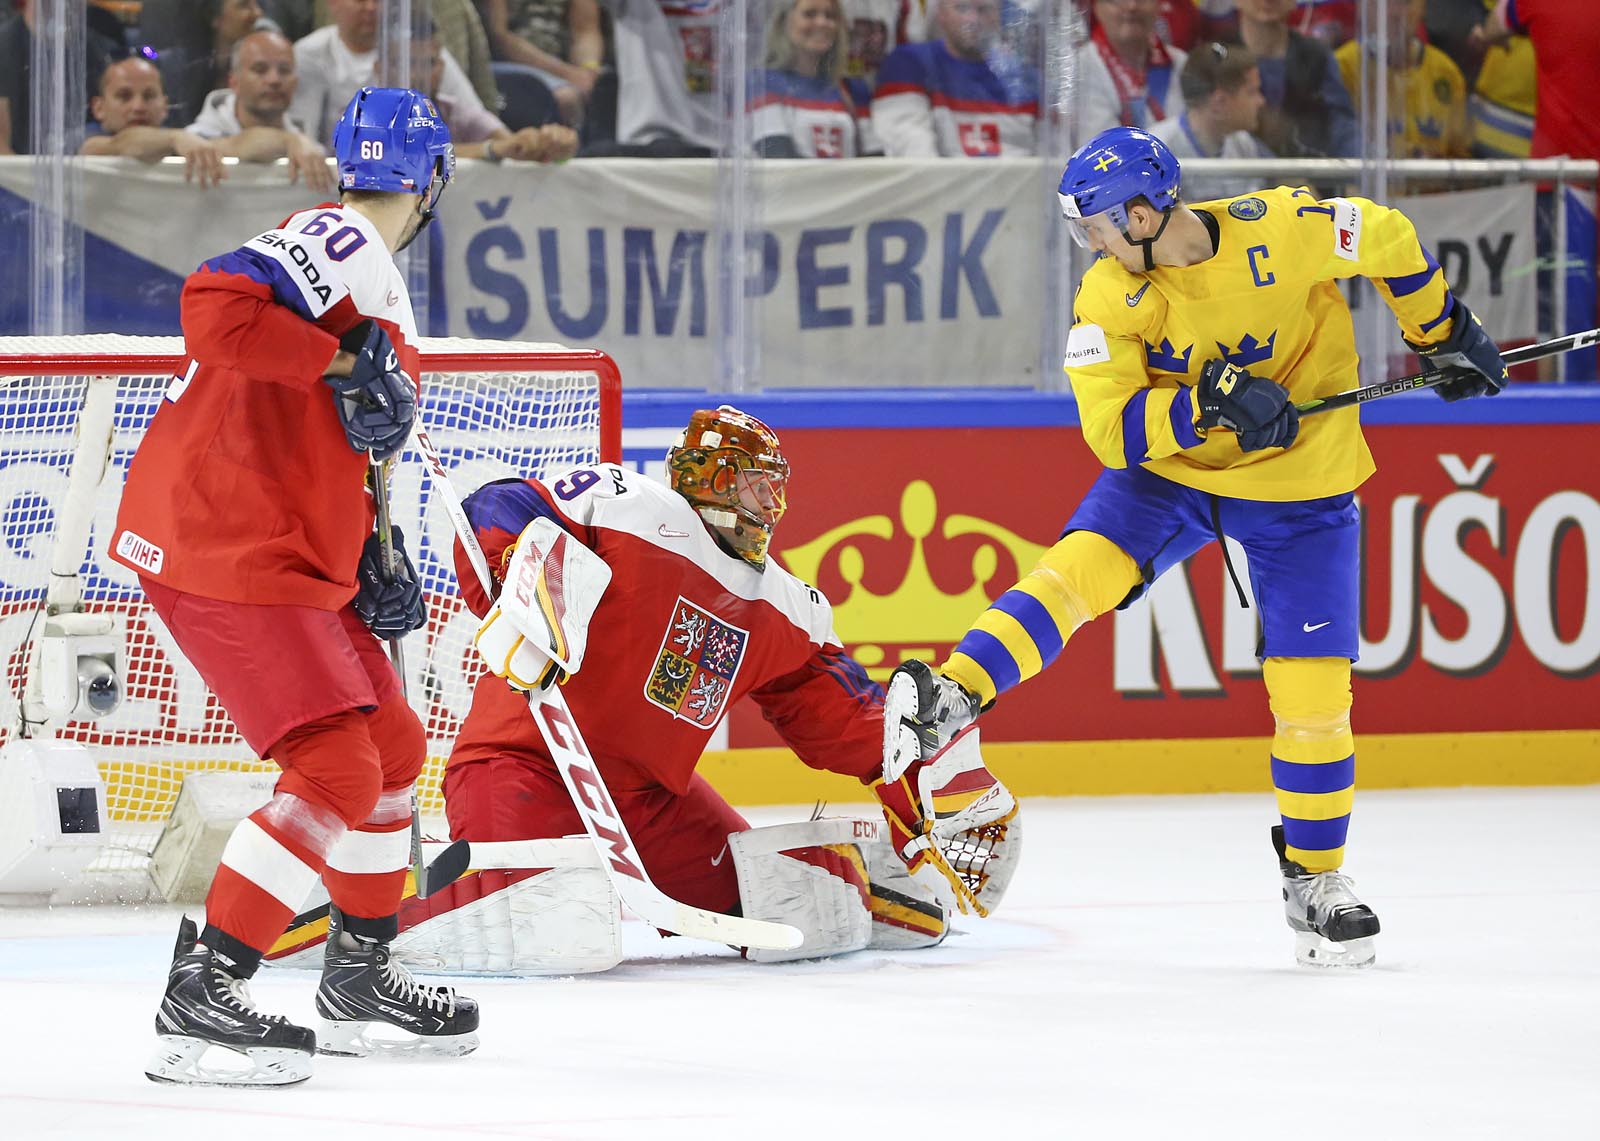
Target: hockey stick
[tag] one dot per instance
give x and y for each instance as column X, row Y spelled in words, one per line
column 1567, row 344
column 397, row 655
column 587, row 788
column 454, row 859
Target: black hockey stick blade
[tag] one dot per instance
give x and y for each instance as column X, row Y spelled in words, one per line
column 447, row 867
column 1570, row 343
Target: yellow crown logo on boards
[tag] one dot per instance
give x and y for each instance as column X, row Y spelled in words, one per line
column 916, row 619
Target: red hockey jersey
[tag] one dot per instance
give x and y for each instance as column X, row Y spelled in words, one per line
column 245, row 487
column 684, row 631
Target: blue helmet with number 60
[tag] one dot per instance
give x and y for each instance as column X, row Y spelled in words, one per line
column 393, row 139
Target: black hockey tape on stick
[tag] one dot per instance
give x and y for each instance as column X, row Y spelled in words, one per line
column 447, row 867
column 1570, row 343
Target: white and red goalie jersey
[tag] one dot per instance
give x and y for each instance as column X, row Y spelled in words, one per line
column 684, row 631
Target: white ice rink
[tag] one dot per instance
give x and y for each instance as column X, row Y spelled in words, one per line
column 1138, row 983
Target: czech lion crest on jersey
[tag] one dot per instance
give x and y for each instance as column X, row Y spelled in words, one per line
column 696, row 665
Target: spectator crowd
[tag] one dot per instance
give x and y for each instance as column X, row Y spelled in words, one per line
column 545, row 80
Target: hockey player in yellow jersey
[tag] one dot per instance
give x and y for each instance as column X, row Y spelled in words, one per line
column 1193, row 337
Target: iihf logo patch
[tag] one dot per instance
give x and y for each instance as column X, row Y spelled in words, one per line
column 696, row 665
column 1247, row 209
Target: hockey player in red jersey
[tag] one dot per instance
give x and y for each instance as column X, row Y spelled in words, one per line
column 696, row 617
column 248, row 518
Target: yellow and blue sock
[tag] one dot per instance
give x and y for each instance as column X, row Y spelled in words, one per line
column 1313, row 757
column 1081, row 577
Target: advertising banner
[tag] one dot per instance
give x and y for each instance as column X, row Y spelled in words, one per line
column 1484, row 241
column 890, row 273
column 1481, row 582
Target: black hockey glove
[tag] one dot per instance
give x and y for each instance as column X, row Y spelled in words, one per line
column 1257, row 408
column 391, row 609
column 1468, row 357
column 377, row 401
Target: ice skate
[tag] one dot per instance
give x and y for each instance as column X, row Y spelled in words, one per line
column 922, row 713
column 370, row 1004
column 1332, row 927
column 211, row 1033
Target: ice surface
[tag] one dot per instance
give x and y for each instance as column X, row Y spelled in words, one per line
column 1138, row 983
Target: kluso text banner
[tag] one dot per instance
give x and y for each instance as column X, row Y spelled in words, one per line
column 1480, row 597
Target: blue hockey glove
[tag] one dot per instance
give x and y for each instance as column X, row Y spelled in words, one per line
column 1467, row 355
column 377, row 401
column 391, row 609
column 1257, row 408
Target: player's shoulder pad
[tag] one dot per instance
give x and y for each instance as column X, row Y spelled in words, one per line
column 298, row 270
column 804, row 603
column 1115, row 301
column 1335, row 221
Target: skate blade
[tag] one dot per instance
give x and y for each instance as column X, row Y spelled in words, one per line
column 355, row 1039
column 1312, row 950
column 181, row 1060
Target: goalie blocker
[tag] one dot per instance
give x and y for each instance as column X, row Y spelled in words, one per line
column 837, row 879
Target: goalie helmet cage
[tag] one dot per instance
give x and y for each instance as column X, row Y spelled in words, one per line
column 72, row 411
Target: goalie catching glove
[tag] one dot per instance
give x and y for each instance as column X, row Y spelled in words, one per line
column 957, row 828
column 536, row 632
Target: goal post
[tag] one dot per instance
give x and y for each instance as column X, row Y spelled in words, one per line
column 72, row 412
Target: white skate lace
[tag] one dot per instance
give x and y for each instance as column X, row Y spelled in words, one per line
column 952, row 706
column 404, row 986
column 1328, row 892
column 235, row 992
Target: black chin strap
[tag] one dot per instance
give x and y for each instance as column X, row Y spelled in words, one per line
column 426, row 217
column 1147, row 243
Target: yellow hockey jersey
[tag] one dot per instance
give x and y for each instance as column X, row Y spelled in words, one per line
column 1267, row 301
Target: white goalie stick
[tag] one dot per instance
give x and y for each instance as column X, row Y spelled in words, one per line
column 588, row 791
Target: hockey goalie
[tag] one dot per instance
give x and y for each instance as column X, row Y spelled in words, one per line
column 666, row 606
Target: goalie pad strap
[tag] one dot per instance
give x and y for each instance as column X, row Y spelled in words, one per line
column 839, row 881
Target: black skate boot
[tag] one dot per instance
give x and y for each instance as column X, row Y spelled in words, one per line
column 206, row 1006
column 1332, row 927
column 364, row 987
column 922, row 713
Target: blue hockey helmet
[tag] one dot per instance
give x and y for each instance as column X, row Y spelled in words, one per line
column 393, row 138
column 1111, row 170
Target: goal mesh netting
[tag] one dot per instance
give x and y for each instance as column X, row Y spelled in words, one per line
column 493, row 409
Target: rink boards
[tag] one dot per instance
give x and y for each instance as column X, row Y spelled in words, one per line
column 1480, row 631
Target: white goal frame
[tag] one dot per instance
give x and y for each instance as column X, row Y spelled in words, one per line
column 71, row 410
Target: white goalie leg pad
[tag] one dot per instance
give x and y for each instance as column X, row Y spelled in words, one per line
column 810, row 875
column 560, row 921
column 906, row 913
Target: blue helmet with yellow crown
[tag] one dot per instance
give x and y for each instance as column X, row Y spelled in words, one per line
column 1111, row 170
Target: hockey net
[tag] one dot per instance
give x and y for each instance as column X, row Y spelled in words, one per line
column 492, row 408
